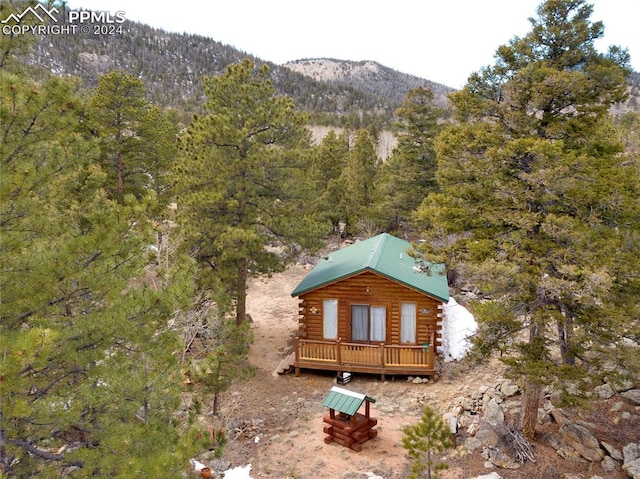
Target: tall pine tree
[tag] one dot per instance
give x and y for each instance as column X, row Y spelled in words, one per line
column 409, row 173
column 238, row 183
column 538, row 204
column 88, row 372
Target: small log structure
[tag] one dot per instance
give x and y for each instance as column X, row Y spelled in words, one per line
column 345, row 425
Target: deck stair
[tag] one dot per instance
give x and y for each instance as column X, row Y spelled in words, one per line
column 286, row 364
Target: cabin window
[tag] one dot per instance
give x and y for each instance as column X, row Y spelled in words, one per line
column 378, row 323
column 408, row 323
column 330, row 319
column 368, row 323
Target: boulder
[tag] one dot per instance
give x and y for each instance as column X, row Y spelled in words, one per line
column 631, row 464
column 493, row 413
column 609, row 464
column 499, row 458
column 604, row 392
column 632, row 395
column 493, row 475
column 612, row 451
column 509, row 388
column 582, row 441
column 631, row 452
column 632, row 468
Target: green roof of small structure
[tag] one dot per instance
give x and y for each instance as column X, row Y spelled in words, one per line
column 384, row 254
column 345, row 401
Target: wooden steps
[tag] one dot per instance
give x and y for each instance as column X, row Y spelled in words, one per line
column 286, row 364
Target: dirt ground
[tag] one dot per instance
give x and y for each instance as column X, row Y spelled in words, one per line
column 277, row 419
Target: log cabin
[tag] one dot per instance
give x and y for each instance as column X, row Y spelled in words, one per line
column 371, row 308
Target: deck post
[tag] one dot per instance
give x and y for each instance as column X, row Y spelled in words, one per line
column 339, row 352
column 296, row 346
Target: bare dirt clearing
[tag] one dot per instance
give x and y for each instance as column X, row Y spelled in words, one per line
column 279, row 418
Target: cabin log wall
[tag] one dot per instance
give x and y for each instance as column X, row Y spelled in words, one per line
column 376, row 290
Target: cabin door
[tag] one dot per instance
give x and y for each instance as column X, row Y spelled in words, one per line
column 368, row 323
column 360, row 322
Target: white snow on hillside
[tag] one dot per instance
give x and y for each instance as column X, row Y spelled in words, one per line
column 458, row 324
column 239, row 472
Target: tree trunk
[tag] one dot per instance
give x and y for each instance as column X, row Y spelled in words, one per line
column 241, row 292
column 565, row 335
column 530, row 403
column 120, row 169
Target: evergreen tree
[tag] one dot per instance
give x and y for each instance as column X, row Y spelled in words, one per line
column 424, row 441
column 239, row 183
column 87, row 362
column 330, row 159
column 359, row 183
column 137, row 140
column 409, row 173
column 538, row 204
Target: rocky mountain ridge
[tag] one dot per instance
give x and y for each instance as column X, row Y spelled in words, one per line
column 172, row 66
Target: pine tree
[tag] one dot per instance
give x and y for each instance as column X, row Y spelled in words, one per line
column 538, row 204
column 409, row 173
column 325, row 174
column 359, row 183
column 238, row 183
column 424, row 441
column 137, row 140
column 87, row 361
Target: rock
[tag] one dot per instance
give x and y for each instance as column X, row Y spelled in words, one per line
column 613, row 452
column 473, row 427
column 632, row 468
column 582, row 441
column 509, row 388
column 620, row 385
column 631, row 464
column 447, row 416
column 486, row 435
column 632, row 395
column 499, row 458
column 480, row 392
column 471, row 444
column 417, row 381
column 617, row 406
column 493, row 475
column 559, row 416
column 604, row 392
column 493, row 413
column 609, row 464
column 631, row 452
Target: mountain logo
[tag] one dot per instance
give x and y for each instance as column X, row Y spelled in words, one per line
column 33, row 11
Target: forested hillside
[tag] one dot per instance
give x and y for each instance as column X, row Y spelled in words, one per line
column 172, row 65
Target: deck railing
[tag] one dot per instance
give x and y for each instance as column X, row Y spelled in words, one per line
column 337, row 355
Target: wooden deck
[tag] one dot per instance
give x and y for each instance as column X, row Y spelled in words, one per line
column 380, row 359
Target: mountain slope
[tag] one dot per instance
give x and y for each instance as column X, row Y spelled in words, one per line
column 367, row 76
column 172, row 66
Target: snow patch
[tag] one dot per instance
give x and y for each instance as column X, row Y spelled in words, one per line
column 458, row 325
column 240, row 472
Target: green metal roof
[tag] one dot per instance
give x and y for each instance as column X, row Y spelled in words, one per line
column 383, row 254
column 345, row 401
